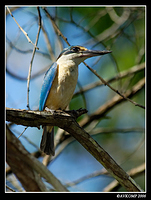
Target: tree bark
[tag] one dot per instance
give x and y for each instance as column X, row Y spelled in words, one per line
column 68, row 122
column 27, row 168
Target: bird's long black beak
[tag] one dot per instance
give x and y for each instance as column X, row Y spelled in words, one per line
column 91, row 53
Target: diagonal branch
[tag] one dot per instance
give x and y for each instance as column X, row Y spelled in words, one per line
column 113, row 186
column 24, row 32
column 133, row 70
column 68, row 123
column 29, row 178
column 102, row 110
column 105, row 83
column 57, row 30
column 27, row 168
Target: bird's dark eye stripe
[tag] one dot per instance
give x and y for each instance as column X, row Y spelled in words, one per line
column 76, row 49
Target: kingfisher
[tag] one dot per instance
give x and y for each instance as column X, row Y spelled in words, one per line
column 58, row 86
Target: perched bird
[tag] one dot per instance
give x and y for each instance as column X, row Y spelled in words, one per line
column 59, row 84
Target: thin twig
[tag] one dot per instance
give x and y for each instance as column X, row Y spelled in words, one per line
column 123, row 74
column 102, row 110
column 57, row 30
column 24, row 32
column 10, row 188
column 33, row 54
column 86, row 177
column 23, row 131
column 105, row 83
column 48, row 43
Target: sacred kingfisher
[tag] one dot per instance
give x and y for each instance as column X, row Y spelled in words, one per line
column 59, row 84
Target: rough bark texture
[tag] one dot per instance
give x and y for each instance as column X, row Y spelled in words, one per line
column 68, row 122
column 27, row 168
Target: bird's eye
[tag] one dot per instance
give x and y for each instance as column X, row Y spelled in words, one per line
column 76, row 49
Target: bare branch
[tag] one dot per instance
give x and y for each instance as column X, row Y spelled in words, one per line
column 24, row 32
column 105, row 83
column 10, row 188
column 48, row 43
column 57, row 30
column 33, row 54
column 133, row 172
column 114, row 185
column 123, row 74
column 24, row 172
column 27, row 168
column 37, row 118
column 102, row 110
column 68, row 123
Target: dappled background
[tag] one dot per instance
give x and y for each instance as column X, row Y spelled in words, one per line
column 120, row 131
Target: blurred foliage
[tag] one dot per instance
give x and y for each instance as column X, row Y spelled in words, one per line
column 120, row 29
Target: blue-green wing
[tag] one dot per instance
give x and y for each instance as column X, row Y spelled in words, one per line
column 47, row 83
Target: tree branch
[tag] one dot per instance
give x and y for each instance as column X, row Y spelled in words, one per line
column 68, row 123
column 27, row 168
column 25, row 173
column 57, row 30
column 24, row 32
column 120, row 75
column 105, row 83
column 33, row 55
column 113, row 186
column 102, row 110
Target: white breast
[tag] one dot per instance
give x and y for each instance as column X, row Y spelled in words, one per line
column 67, row 80
column 63, row 86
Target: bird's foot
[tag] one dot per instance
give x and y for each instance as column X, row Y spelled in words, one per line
column 73, row 113
column 49, row 110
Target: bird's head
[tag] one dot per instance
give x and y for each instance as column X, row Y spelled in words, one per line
column 79, row 53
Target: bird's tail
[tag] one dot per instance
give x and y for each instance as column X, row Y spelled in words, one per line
column 47, row 141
